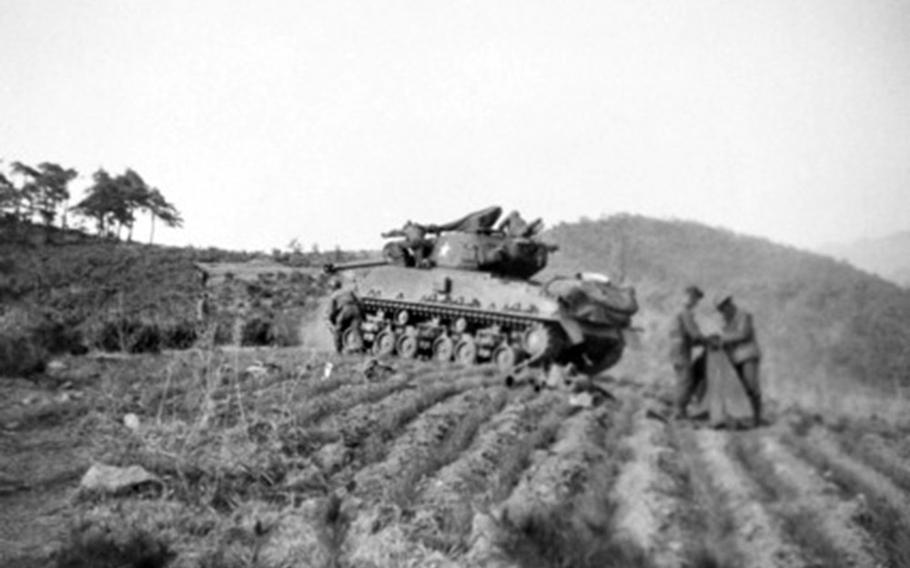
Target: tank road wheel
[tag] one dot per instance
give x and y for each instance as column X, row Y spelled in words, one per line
column 351, row 340
column 384, row 344
column 407, row 346
column 466, row 351
column 443, row 348
column 505, row 357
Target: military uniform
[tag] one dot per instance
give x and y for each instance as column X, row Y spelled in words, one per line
column 684, row 336
column 343, row 312
column 739, row 341
column 415, row 244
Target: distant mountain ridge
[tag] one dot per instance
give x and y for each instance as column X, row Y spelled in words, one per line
column 888, row 256
column 826, row 327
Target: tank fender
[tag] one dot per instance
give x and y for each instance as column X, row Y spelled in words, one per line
column 572, row 328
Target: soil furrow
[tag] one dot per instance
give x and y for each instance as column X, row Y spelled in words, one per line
column 560, row 472
column 875, row 482
column 355, row 394
column 705, row 522
column 561, row 512
column 445, row 508
column 759, row 538
column 883, row 455
column 379, row 506
column 346, row 397
column 643, row 495
column 813, row 505
column 379, row 421
column 883, row 509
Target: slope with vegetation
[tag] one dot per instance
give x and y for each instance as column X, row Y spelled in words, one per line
column 64, row 290
column 71, row 292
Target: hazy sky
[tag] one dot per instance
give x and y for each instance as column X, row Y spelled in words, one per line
column 332, row 121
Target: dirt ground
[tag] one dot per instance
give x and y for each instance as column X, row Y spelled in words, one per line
column 270, row 458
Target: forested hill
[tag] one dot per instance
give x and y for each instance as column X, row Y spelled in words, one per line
column 826, row 327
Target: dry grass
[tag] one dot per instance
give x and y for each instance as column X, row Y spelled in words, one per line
column 579, row 531
column 801, row 526
column 855, row 437
column 881, row 518
column 407, row 485
column 371, row 446
column 393, row 421
column 707, row 521
column 576, row 534
column 517, row 457
column 225, row 443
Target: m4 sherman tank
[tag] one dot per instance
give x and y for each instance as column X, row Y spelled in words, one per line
column 464, row 291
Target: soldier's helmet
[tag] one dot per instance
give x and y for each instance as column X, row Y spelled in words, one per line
column 722, row 298
column 335, row 284
column 695, row 291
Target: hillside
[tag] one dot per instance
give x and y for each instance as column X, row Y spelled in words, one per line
column 888, row 257
column 827, row 328
column 66, row 291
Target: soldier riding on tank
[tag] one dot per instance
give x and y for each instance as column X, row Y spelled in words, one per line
column 412, row 250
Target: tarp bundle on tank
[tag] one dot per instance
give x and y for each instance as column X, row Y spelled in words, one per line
column 594, row 301
column 476, row 222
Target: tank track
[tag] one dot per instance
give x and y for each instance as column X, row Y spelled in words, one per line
column 446, row 331
column 451, row 310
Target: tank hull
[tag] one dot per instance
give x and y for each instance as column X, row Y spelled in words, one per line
column 475, row 317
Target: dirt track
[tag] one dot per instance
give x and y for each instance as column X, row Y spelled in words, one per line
column 421, row 466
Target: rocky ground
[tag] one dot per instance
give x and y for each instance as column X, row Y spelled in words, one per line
column 271, row 458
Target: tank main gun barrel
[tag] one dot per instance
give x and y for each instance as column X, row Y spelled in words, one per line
column 332, row 268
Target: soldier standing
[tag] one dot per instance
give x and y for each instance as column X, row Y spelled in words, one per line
column 343, row 312
column 738, row 339
column 684, row 337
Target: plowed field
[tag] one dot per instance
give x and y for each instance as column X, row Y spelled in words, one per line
column 265, row 459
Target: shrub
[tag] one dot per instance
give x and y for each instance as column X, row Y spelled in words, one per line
column 286, row 327
column 180, row 335
column 147, row 338
column 96, row 549
column 257, row 331
column 129, row 336
column 20, row 355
